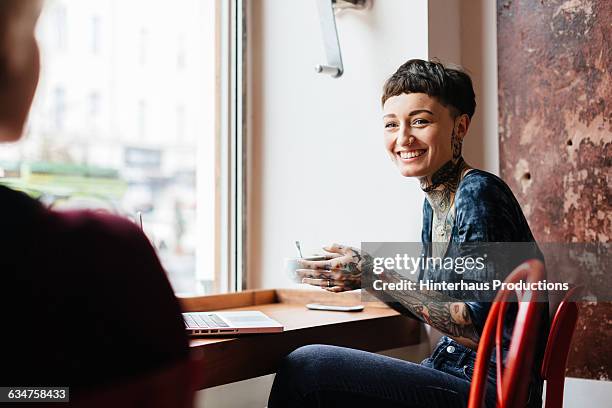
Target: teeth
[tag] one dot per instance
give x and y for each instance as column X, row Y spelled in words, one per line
column 411, row 154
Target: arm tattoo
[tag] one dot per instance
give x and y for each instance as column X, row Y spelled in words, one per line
column 447, row 314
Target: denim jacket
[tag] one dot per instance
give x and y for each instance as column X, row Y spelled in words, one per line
column 485, row 211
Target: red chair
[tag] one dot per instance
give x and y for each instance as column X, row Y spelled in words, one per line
column 511, row 384
column 557, row 350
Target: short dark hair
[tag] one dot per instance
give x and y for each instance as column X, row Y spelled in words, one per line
column 450, row 85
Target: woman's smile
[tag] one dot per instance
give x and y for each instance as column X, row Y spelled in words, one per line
column 408, row 156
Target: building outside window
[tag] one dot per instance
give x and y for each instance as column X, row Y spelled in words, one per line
column 109, row 129
column 95, row 34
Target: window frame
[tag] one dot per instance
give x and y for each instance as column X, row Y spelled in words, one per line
column 231, row 155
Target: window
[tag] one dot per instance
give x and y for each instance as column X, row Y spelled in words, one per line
column 59, row 106
column 142, row 120
column 142, row 46
column 95, row 34
column 121, row 123
column 180, row 52
column 59, row 27
column 180, row 122
column 94, row 104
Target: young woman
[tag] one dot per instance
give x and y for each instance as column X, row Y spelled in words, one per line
column 427, row 109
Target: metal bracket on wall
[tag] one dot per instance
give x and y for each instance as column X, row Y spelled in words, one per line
column 327, row 18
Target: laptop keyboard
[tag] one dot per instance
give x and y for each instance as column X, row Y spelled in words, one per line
column 200, row 320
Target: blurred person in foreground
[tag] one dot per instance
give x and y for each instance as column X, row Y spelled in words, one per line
column 84, row 300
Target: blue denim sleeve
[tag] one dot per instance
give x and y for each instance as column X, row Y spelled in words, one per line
column 487, row 211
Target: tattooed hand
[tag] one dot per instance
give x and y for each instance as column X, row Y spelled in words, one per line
column 338, row 274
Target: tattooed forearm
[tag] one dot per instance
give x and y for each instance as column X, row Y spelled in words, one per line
column 443, row 312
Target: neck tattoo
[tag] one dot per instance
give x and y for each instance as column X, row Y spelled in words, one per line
column 440, row 191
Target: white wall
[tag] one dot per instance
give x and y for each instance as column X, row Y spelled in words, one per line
column 580, row 393
column 465, row 33
column 319, row 171
column 478, row 21
column 444, row 30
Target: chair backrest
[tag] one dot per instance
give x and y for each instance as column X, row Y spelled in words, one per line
column 557, row 349
column 511, row 384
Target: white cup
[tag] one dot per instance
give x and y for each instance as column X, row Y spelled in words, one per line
column 292, row 265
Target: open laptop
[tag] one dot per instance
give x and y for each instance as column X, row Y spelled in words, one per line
column 228, row 323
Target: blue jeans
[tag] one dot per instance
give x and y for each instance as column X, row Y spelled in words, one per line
column 330, row 376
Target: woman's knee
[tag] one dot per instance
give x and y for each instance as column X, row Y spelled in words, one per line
column 299, row 375
column 309, row 366
column 309, row 360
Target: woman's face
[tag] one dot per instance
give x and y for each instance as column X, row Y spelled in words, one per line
column 417, row 130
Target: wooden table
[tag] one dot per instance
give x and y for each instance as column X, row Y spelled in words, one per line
column 231, row 359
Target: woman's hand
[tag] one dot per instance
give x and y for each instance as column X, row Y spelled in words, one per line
column 338, row 274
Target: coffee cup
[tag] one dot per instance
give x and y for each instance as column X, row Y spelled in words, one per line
column 293, row 264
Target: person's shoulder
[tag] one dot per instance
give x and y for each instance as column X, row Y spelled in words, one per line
column 481, row 180
column 487, row 210
column 102, row 228
column 14, row 204
column 21, row 218
column 481, row 186
column 104, row 242
column 26, row 219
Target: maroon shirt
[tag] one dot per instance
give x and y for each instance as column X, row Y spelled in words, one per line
column 84, row 299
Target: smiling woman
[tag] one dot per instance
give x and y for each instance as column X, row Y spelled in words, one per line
column 427, row 109
column 419, row 116
column 426, row 106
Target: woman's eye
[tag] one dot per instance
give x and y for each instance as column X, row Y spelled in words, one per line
column 420, row 122
column 389, row 125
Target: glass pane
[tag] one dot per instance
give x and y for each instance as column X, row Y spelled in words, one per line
column 123, row 122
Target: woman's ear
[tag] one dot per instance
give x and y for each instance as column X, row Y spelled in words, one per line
column 462, row 124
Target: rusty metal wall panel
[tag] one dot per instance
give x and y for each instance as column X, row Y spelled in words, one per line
column 555, row 137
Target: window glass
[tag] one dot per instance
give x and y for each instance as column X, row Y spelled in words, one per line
column 124, row 110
